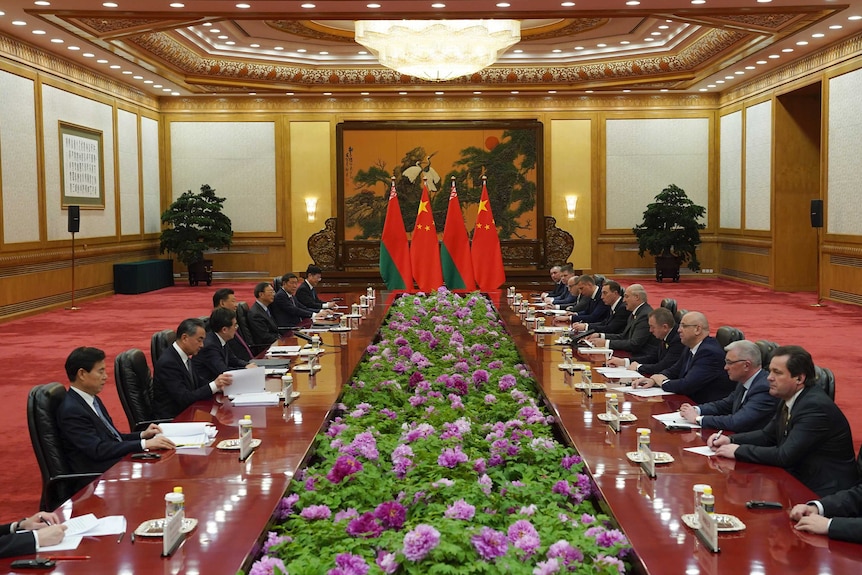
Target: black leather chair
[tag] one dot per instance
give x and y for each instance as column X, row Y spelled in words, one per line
column 276, row 283
column 135, row 388
column 58, row 482
column 824, row 377
column 161, row 341
column 766, row 349
column 727, row 334
column 670, row 305
column 242, row 322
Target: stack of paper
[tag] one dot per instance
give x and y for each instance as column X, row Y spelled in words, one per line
column 282, row 350
column 190, row 434
column 87, row 526
column 595, row 350
column 643, row 392
column 674, row 419
column 618, row 373
column 262, row 398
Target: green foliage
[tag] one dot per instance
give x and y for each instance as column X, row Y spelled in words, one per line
column 670, row 227
column 197, row 224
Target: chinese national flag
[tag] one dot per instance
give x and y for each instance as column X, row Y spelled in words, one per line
column 424, row 250
column 455, row 251
column 394, row 250
column 487, row 257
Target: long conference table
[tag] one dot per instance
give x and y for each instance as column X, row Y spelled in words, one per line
column 233, row 501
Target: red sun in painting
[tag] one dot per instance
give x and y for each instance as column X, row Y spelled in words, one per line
column 491, row 142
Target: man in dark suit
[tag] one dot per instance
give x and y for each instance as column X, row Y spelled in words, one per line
column 635, row 338
column 617, row 315
column 590, row 307
column 558, row 288
column 225, row 298
column 566, row 297
column 663, row 354
column 699, row 372
column 91, row 442
column 808, row 435
column 26, row 536
column 175, row 386
column 264, row 330
column 307, row 291
column 216, row 357
column 749, row 406
column 286, row 309
column 838, row 515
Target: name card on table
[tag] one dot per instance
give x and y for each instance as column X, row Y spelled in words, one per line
column 172, row 534
column 613, row 417
column 648, row 462
column 708, row 530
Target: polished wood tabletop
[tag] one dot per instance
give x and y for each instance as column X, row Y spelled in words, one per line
column 234, row 501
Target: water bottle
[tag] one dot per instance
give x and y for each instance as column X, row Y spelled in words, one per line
column 588, row 376
column 286, row 386
column 707, row 500
column 612, row 403
column 175, row 501
column 245, row 426
column 643, row 442
column 315, row 343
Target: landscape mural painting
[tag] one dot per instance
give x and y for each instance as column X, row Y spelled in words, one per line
column 508, row 153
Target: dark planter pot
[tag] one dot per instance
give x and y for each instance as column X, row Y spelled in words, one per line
column 201, row 271
column 667, row 266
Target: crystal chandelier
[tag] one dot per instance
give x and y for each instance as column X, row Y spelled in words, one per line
column 437, row 50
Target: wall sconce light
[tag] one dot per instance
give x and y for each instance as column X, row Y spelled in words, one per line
column 571, row 203
column 311, row 208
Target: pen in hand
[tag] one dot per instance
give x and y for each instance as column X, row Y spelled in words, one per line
column 714, row 439
column 45, row 521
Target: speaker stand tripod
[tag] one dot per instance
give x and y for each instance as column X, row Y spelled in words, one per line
column 819, row 299
column 73, row 307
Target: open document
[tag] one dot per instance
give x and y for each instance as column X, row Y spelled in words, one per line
column 675, row 420
column 189, row 434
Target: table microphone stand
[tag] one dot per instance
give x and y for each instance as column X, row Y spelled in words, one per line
column 72, row 307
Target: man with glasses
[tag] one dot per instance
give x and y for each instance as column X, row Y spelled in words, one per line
column 749, row 406
column 216, row 357
column 264, row 330
column 699, row 372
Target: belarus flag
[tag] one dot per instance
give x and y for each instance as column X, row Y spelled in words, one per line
column 394, row 251
column 455, row 251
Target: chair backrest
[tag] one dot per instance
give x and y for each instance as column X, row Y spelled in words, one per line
column 824, row 377
column 670, row 305
column 42, row 405
column 134, row 386
column 766, row 350
column 276, row 283
column 727, row 334
column 242, row 322
column 161, row 341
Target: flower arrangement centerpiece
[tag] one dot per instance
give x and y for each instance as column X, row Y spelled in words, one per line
column 441, row 460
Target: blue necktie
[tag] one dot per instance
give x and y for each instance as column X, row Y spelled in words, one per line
column 104, row 419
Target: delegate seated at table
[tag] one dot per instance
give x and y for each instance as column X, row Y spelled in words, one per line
column 665, row 350
column 30, row 534
column 749, row 406
column 216, row 356
column 808, row 434
column 91, row 442
column 839, row 515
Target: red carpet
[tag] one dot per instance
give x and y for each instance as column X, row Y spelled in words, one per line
column 36, row 348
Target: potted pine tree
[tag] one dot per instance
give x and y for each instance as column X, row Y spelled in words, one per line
column 195, row 224
column 670, row 231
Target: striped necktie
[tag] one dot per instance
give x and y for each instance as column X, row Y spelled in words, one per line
column 97, row 408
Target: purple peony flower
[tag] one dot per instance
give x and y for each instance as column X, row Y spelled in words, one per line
column 419, row 542
column 479, row 466
column 608, row 561
column 349, row 513
column 490, row 544
column 508, row 381
column 349, row 564
column 365, row 526
column 480, row 376
column 417, row 400
column 570, row 460
column 461, row 510
column 548, row 567
column 267, row 565
column 563, row 551
column 313, row 512
column 496, row 364
column 587, row 519
column 273, row 539
column 344, row 467
column 490, row 398
column 285, row 506
column 452, row 457
column 391, row 514
column 386, row 561
column 520, row 529
column 610, row 538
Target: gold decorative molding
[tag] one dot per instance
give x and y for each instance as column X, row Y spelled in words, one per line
column 43, row 61
column 842, row 250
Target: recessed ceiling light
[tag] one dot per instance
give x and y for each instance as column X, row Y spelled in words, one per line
column 698, row 1
column 88, row 55
column 836, row 27
column 175, row 93
column 579, row 47
column 230, row 43
column 42, row 3
column 157, row 85
column 663, row 90
column 362, row 52
column 556, row 51
column 148, row 81
column 601, row 45
column 254, row 45
column 177, row 5
column 74, row 48
column 818, row 35
column 649, row 39
column 372, row 5
column 208, row 23
column 764, row 1
column 223, row 37
column 166, row 89
column 405, row 93
column 552, row 91
column 438, row 5
column 127, row 72
column 518, row 51
column 39, row 32
column 363, row 93
column 663, row 27
column 625, row 42
column 787, row 50
column 702, row 90
column 854, row 17
column 626, row 91
column 438, row 93
column 279, row 48
column 719, row 81
column 243, row 6
column 588, row 91
column 288, row 93
column 57, row 40
column 327, row 93
column 18, row 23
column 761, row 62
column 655, row 33
column 252, row 93
column 514, row 92
column 302, row 50
column 324, row 53
column 102, row 61
column 802, row 43
column 567, row 4
column 729, row 78
column 137, row 77
column 749, row 67
column 214, row 31
column 774, row 56
column 503, row 4
column 739, row 73
column 632, row 3
column 110, row 4
column 308, row 5
column 115, row 66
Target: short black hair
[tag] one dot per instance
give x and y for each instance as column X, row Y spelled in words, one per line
column 287, row 277
column 613, row 286
column 220, row 295
column 220, row 318
column 260, row 288
column 313, row 270
column 190, row 327
column 799, row 362
column 82, row 358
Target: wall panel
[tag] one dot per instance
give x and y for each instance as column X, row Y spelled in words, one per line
column 150, row 171
column 844, row 169
column 18, row 161
column 730, row 171
column 129, row 174
column 758, row 166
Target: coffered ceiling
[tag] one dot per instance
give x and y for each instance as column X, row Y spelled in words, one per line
column 273, row 46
